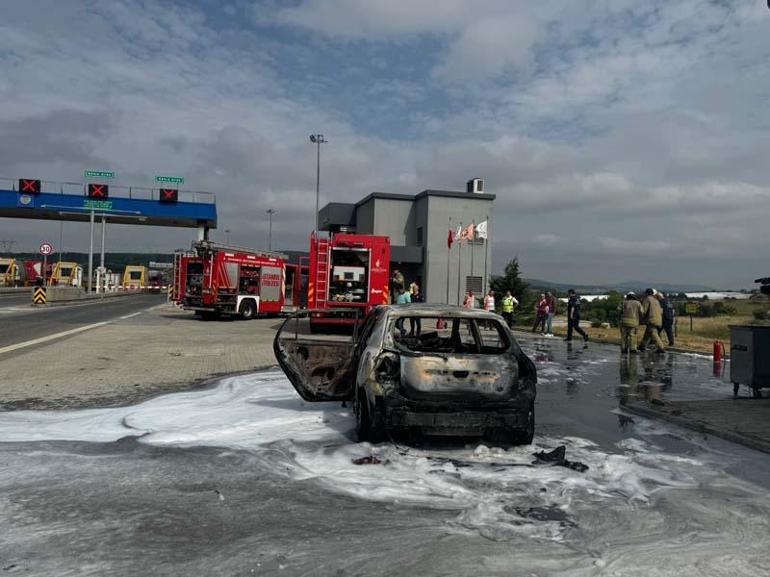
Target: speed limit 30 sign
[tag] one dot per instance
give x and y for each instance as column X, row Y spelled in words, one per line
column 46, row 248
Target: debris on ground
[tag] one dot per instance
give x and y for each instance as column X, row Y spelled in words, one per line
column 557, row 457
column 368, row 460
column 221, row 496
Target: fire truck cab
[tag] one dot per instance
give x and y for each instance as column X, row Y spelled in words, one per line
column 215, row 279
column 349, row 273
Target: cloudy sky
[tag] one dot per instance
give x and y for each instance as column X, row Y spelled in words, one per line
column 625, row 140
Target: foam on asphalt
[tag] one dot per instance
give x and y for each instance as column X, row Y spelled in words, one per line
column 636, row 504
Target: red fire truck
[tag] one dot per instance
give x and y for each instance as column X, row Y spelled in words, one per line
column 347, row 272
column 214, row 279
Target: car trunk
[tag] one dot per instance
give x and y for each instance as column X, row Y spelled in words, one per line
column 472, row 377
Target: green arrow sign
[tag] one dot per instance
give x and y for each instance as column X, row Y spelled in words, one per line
column 170, row 179
column 99, row 174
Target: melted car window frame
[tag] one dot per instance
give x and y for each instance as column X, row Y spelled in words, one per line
column 399, row 344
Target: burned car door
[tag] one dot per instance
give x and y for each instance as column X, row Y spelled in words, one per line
column 321, row 367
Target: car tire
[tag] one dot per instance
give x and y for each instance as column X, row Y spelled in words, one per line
column 247, row 310
column 525, row 436
column 368, row 427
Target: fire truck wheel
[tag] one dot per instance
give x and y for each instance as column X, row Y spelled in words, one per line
column 247, row 310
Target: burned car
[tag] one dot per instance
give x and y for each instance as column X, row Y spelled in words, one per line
column 429, row 369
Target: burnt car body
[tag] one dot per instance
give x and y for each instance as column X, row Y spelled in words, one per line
column 431, row 369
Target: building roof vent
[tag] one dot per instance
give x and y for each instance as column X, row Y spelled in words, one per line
column 475, row 185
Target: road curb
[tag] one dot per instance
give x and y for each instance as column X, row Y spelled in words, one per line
column 646, row 410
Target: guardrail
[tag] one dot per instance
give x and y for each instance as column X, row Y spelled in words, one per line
column 137, row 192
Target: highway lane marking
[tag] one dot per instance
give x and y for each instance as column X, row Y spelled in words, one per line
column 48, row 338
column 130, row 316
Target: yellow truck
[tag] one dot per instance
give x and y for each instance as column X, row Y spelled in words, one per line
column 66, row 273
column 134, row 277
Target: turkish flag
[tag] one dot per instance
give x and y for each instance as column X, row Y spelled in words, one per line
column 450, row 239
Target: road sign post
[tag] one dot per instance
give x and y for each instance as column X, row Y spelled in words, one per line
column 45, row 249
column 691, row 309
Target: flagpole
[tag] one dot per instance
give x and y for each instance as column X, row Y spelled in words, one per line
column 459, row 263
column 448, row 257
column 471, row 241
column 486, row 254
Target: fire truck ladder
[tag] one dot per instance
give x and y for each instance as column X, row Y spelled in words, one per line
column 322, row 272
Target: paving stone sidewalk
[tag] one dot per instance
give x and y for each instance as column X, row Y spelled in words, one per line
column 161, row 350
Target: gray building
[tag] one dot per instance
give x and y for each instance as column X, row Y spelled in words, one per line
column 418, row 228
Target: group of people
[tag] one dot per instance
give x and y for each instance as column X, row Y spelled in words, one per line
column 656, row 312
column 545, row 308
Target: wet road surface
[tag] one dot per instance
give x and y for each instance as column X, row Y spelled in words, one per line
column 246, row 479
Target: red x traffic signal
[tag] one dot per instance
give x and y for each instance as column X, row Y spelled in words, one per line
column 168, row 195
column 98, row 191
column 29, row 186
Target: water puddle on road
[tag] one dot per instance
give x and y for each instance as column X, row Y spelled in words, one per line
column 636, row 506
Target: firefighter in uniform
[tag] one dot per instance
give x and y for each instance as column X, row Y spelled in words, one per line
column 653, row 318
column 631, row 314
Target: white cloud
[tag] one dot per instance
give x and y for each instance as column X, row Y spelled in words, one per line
column 641, row 123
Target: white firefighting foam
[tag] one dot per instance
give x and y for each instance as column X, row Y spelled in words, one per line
column 627, row 504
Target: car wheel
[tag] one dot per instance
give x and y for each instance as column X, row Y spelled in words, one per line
column 369, row 427
column 525, row 436
column 362, row 417
column 247, row 310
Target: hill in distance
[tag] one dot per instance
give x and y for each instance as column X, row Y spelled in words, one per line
column 636, row 286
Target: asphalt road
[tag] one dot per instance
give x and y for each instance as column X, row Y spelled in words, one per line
column 20, row 299
column 19, row 324
column 244, row 478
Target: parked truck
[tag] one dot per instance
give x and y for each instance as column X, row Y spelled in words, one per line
column 66, row 273
column 349, row 273
column 214, row 279
column 19, row 273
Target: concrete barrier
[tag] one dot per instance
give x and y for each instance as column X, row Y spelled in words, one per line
column 63, row 294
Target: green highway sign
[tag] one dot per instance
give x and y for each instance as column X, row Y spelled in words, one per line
column 691, row 308
column 170, row 179
column 99, row 174
column 97, row 204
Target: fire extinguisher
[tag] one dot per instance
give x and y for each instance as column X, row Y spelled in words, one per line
column 719, row 351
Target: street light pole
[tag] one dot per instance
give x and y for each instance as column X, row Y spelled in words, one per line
column 227, row 236
column 318, row 140
column 91, row 254
column 270, row 212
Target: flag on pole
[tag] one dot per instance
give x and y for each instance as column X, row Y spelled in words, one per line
column 450, row 238
column 481, row 230
column 459, row 233
column 467, row 232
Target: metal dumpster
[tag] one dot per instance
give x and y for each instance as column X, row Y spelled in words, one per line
column 750, row 357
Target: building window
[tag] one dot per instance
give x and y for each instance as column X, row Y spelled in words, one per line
column 474, row 283
column 419, row 236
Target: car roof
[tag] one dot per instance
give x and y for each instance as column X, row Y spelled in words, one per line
column 411, row 309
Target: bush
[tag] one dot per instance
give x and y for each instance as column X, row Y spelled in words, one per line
column 596, row 324
column 762, row 315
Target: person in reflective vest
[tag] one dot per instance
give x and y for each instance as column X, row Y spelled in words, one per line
column 508, row 304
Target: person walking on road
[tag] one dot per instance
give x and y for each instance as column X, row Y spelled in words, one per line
column 630, row 317
column 669, row 313
column 509, row 302
column 541, row 311
column 489, row 301
column 653, row 318
column 573, row 316
column 470, row 300
column 551, row 312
